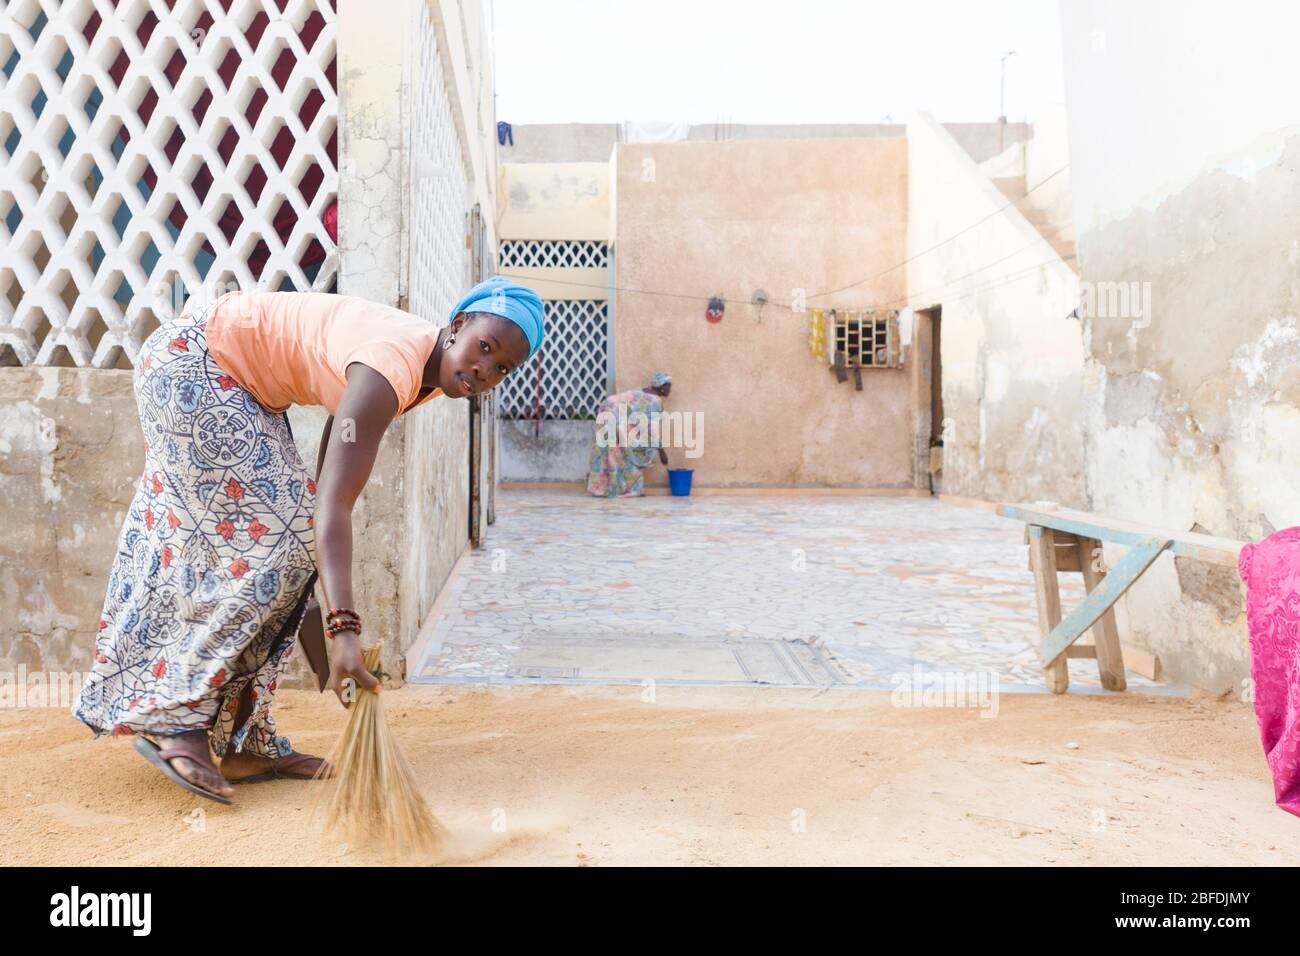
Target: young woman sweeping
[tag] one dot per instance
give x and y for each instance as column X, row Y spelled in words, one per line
column 219, row 551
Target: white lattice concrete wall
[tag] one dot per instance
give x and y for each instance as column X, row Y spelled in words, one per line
column 408, row 180
column 153, row 150
column 145, row 100
column 555, row 221
column 439, row 189
column 568, row 376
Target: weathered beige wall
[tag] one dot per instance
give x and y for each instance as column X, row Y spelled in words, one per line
column 727, row 218
column 1012, row 361
column 553, row 200
column 556, row 201
column 71, row 457
column 1184, row 171
column 1047, row 160
column 373, row 171
column 434, row 511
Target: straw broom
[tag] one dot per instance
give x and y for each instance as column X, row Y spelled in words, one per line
column 374, row 800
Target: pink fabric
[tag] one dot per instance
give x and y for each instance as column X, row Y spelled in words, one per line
column 1271, row 570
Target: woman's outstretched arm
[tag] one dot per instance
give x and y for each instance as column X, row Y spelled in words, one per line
column 364, row 412
column 324, row 443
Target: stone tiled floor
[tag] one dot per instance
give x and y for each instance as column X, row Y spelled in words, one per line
column 794, row 591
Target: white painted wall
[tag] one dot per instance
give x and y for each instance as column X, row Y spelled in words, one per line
column 1184, row 141
column 1198, row 80
column 1011, row 358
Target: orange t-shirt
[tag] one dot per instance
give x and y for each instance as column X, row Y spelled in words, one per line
column 293, row 348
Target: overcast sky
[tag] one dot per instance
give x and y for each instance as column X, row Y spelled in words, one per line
column 808, row 61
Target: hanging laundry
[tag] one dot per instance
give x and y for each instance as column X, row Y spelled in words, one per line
column 817, row 333
column 841, row 371
column 655, row 131
column 1271, row 571
column 505, row 134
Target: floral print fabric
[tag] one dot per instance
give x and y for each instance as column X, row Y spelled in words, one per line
column 616, row 465
column 1271, row 571
column 214, row 560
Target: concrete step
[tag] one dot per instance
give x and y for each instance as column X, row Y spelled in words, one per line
column 1068, row 250
column 1037, row 217
column 1013, row 187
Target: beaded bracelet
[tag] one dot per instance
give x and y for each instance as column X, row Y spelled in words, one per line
column 342, row 626
column 343, row 612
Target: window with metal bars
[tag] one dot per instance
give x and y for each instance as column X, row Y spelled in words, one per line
column 867, row 340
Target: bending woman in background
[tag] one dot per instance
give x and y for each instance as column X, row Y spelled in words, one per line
column 617, row 466
column 219, row 550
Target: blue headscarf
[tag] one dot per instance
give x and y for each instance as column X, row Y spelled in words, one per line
column 510, row 300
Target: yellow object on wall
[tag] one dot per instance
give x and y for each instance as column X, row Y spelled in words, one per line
column 817, row 333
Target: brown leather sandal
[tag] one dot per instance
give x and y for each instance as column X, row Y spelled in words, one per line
column 161, row 757
column 283, row 768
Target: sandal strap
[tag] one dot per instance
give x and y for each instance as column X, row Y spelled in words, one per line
column 291, row 761
column 171, row 753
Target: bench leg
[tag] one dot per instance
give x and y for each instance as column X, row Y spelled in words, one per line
column 1110, row 588
column 1105, row 633
column 1042, row 551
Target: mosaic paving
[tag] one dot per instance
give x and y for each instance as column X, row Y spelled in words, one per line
column 790, row 591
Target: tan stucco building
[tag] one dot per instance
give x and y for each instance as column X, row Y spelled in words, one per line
column 811, row 219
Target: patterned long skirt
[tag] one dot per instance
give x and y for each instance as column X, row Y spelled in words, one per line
column 215, row 560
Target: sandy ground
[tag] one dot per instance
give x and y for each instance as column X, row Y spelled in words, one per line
column 595, row 775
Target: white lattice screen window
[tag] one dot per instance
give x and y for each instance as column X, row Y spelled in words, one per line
column 439, row 200
column 153, row 151
column 572, row 363
column 555, row 253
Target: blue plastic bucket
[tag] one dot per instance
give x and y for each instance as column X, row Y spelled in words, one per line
column 679, row 480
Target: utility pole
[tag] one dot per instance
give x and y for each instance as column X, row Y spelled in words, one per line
column 1002, row 101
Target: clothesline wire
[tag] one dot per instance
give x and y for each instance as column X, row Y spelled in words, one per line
column 789, row 306
column 1000, row 281
column 913, row 295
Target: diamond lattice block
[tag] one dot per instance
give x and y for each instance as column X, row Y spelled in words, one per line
column 152, row 152
column 555, row 253
column 573, row 361
column 440, row 193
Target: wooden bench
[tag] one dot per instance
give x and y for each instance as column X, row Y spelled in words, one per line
column 1062, row 539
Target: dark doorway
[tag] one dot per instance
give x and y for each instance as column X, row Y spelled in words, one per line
column 936, row 378
column 927, row 397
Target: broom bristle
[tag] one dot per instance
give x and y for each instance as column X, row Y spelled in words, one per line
column 374, row 800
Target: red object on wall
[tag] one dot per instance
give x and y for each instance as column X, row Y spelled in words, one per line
column 715, row 310
column 332, row 222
